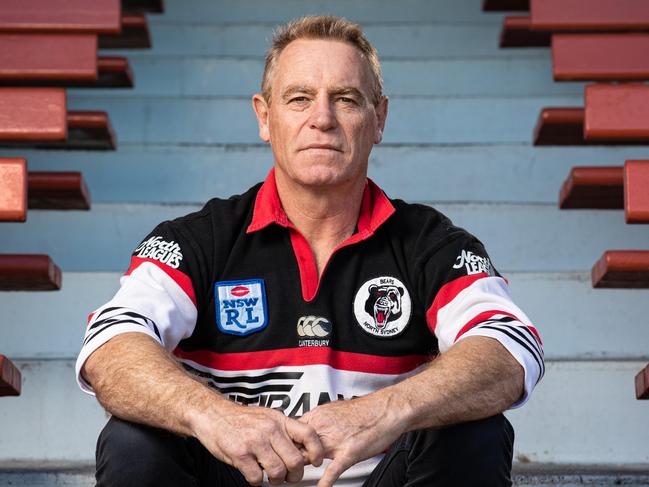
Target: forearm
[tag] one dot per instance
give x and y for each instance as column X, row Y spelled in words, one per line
column 137, row 380
column 475, row 379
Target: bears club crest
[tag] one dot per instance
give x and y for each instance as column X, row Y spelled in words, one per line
column 382, row 306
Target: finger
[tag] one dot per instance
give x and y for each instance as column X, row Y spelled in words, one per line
column 290, row 456
column 307, row 436
column 272, row 465
column 333, row 471
column 250, row 469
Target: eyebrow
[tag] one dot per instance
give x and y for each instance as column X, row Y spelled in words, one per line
column 293, row 89
column 338, row 90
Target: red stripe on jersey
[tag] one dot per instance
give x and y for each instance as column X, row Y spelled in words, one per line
column 375, row 209
column 536, row 333
column 178, row 277
column 484, row 316
column 287, row 357
column 447, row 293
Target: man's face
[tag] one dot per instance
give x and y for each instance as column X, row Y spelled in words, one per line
column 321, row 123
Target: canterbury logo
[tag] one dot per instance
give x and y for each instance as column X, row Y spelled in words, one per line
column 313, row 326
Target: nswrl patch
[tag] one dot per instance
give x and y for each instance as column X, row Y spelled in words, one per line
column 241, row 306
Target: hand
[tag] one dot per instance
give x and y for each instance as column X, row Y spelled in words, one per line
column 353, row 431
column 251, row 438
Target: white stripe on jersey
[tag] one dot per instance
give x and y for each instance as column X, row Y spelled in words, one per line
column 149, row 301
column 492, row 294
column 302, row 387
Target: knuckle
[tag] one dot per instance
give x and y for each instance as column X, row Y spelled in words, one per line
column 276, row 472
column 295, row 462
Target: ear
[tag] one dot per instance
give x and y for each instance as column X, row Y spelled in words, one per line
column 262, row 110
column 381, row 115
column 372, row 289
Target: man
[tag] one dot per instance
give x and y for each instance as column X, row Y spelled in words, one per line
column 310, row 288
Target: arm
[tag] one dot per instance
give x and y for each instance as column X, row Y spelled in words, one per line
column 475, row 379
column 136, row 379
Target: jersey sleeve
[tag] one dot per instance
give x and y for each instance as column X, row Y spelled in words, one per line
column 468, row 297
column 156, row 296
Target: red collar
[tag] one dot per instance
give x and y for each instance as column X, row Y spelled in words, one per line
column 376, row 208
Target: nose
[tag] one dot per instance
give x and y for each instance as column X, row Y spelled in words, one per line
column 323, row 116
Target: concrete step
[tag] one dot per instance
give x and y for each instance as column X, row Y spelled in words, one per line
column 548, row 476
column 224, row 11
column 162, row 174
column 576, row 326
column 183, row 76
column 393, row 40
column 577, row 406
column 412, row 120
column 518, row 237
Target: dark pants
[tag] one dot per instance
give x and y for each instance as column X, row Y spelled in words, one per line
column 478, row 454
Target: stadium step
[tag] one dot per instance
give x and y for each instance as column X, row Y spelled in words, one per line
column 544, row 476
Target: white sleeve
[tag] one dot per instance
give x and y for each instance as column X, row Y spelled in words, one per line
column 153, row 299
column 482, row 306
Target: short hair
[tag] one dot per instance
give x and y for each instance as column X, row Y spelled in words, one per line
column 323, row 27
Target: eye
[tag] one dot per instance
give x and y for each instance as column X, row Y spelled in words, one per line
column 347, row 100
column 298, row 99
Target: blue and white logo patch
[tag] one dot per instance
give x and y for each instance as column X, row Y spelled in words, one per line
column 241, row 306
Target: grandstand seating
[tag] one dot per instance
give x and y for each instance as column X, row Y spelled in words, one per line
column 33, row 272
column 10, row 378
column 32, row 114
column 591, row 15
column 600, row 57
column 622, row 269
column 57, row 191
column 598, row 187
column 143, row 6
column 508, row 5
column 517, row 32
column 134, row 34
column 13, row 189
column 636, row 191
column 45, row 47
column 66, row 16
column 47, row 57
column 66, row 60
column 595, row 41
column 617, row 112
column 642, row 384
column 556, row 16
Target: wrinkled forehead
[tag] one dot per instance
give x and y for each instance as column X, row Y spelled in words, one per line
column 318, row 62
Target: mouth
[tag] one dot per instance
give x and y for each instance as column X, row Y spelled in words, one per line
column 381, row 317
column 321, row 147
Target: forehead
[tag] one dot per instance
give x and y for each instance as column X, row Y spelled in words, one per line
column 321, row 61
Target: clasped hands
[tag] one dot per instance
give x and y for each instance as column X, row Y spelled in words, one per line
column 256, row 439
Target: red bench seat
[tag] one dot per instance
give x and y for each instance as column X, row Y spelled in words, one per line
column 589, row 15
column 622, row 269
column 13, row 189
column 10, row 378
column 32, row 114
column 598, row 187
column 57, row 191
column 28, row 272
column 617, row 112
column 600, row 57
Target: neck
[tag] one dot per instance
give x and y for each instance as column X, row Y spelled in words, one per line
column 325, row 216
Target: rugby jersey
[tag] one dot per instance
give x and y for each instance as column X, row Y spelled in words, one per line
column 233, row 292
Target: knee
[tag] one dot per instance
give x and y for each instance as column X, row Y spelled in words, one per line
column 476, row 453
column 133, row 454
